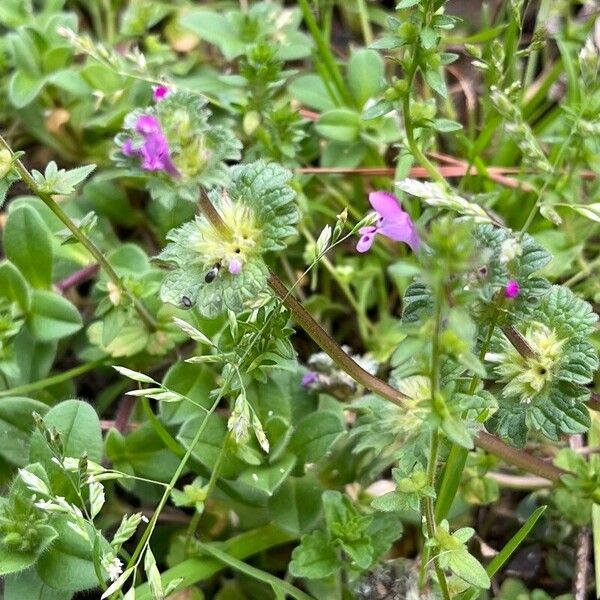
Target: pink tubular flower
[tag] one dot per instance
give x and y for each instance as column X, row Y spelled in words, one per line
column 160, row 92
column 154, row 152
column 512, row 289
column 393, row 223
column 235, row 266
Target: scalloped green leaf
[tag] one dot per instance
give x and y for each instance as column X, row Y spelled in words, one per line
column 264, row 188
column 566, row 313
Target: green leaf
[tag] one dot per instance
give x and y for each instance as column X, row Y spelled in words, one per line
column 436, row 81
column 388, row 43
column 142, row 452
column 13, row 286
column 377, row 110
column 193, row 381
column 515, row 541
column 266, row 479
column 28, row 245
column 216, row 29
column 406, row 4
column 23, row 88
column 207, row 450
column 12, row 561
column 560, row 413
column 445, row 125
column 314, row 558
column 467, row 567
column 589, row 211
column 69, row 566
column 315, row 435
column 296, row 505
column 79, row 428
column 365, row 73
column 310, row 91
column 52, row 317
column 27, row 584
column 340, row 125
column 428, row 38
column 384, row 530
column 16, row 425
column 568, row 314
column 264, row 188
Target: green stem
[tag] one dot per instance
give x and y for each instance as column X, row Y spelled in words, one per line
column 428, row 503
column 242, row 567
column 42, row 384
column 457, row 458
column 325, row 51
column 409, row 128
column 47, row 199
column 365, row 24
column 555, row 165
column 145, row 539
column 214, row 476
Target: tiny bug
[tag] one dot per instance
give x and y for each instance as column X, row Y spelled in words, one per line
column 212, row 274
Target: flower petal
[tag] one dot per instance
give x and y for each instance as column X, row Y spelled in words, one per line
column 235, row 266
column 147, row 124
column 401, row 229
column 367, row 230
column 513, row 289
column 386, row 204
column 160, row 92
column 365, row 242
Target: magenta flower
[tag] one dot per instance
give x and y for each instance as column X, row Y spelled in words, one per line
column 154, row 151
column 147, row 124
column 393, row 223
column 513, row 289
column 160, row 92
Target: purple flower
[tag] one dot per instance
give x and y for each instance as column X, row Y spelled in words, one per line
column 147, row 124
column 513, row 289
column 154, row 152
column 160, row 92
column 393, row 223
column 309, row 378
column 128, row 148
column 235, row 266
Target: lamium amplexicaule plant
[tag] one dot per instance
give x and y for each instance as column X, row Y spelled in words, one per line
column 299, row 300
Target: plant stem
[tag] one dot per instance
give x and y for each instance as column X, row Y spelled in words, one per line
column 42, row 384
column 428, row 504
column 209, row 489
column 409, row 129
column 325, row 52
column 47, row 199
column 488, row 442
column 364, row 22
column 277, row 584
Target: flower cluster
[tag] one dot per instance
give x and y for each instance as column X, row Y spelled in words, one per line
column 173, row 140
column 150, row 145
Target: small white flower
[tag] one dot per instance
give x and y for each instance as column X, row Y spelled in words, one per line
column 510, row 250
column 112, row 565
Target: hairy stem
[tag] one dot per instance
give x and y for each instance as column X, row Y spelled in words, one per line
column 49, row 201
